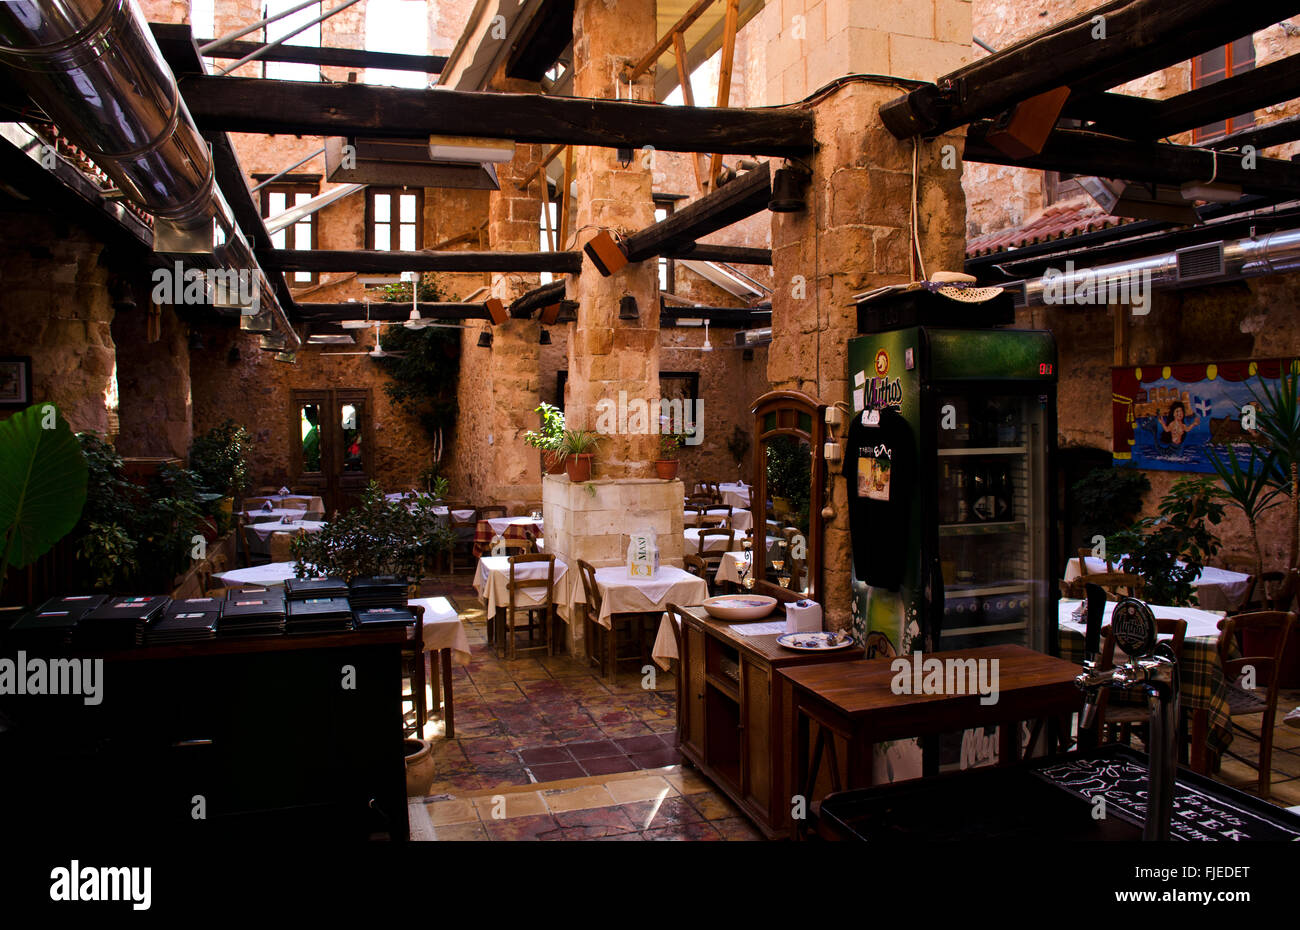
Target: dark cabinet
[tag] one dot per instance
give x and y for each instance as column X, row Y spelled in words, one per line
column 238, row 739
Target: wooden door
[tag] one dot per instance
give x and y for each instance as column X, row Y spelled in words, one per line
column 331, row 439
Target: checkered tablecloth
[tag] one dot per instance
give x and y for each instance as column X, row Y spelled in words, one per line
column 515, row 528
column 1200, row 679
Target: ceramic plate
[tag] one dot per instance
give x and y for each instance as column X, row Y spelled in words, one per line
column 815, row 642
column 740, row 606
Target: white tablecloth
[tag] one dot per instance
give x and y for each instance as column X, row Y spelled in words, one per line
column 1199, row 622
column 1216, row 588
column 263, row 531
column 729, row 567
column 462, row 515
column 664, row 651
column 621, row 594
column 735, row 494
column 493, row 575
column 275, row 513
column 314, row 504
column 499, row 524
column 691, row 537
column 269, row 576
column 741, row 520
column 443, row 628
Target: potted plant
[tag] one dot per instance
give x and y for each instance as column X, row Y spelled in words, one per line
column 1170, row 550
column 217, row 458
column 1245, row 487
column 577, row 448
column 667, row 463
column 549, row 437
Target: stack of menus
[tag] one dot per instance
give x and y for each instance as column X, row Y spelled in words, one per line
column 252, row 612
column 319, row 615
column 119, row 623
column 49, row 628
column 300, row 588
column 186, row 621
column 378, row 591
column 384, row 618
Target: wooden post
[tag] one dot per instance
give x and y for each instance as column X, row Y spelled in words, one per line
column 541, row 166
column 724, row 78
column 1121, row 335
column 661, row 46
column 688, row 95
column 564, row 198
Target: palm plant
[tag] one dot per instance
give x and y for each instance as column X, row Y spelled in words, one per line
column 1247, row 487
column 1278, row 420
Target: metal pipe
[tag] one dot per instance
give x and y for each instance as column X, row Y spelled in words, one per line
column 94, row 67
column 240, row 33
column 280, row 174
column 1274, row 253
column 258, row 53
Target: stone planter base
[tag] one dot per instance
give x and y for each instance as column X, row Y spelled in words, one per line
column 419, row 767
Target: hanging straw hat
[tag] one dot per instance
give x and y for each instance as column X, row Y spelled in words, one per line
column 957, row 286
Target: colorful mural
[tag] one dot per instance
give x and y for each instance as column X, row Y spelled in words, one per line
column 1166, row 417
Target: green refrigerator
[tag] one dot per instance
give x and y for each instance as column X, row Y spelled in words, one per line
column 976, row 417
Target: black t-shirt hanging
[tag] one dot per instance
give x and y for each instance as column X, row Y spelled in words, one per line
column 879, row 463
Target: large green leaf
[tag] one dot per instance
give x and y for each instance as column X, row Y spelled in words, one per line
column 42, row 484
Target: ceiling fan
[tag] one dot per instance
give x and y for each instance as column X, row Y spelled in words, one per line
column 708, row 346
column 376, row 352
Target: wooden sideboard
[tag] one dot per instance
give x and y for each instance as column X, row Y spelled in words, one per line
column 235, row 739
column 735, row 716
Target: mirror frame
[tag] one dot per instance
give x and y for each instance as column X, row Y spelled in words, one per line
column 798, row 402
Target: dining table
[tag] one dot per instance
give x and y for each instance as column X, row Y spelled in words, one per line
column 517, row 529
column 1203, row 689
column 735, row 494
column 1216, row 588
column 270, row 575
column 492, row 579
column 742, row 521
column 444, row 637
column 277, row 513
column 620, row 593
column 259, row 534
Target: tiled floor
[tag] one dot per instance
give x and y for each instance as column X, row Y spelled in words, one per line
column 546, row 749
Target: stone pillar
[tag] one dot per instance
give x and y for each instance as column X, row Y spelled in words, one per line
column 514, row 215
column 608, row 355
column 854, row 236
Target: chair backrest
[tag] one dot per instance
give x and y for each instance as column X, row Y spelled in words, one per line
column 516, row 546
column 696, row 566
column 1073, row 590
column 1165, row 626
column 491, row 511
column 1118, row 584
column 678, row 624
column 1259, row 640
column 713, row 553
column 281, row 545
column 547, row 582
column 716, row 515
column 415, row 645
column 699, row 500
column 1284, row 595
column 255, row 503
column 1084, row 555
column 590, row 590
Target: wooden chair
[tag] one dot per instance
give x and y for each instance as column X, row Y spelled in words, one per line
column 712, row 556
column 716, row 515
column 251, row 558
column 255, row 503
column 1259, row 639
column 517, row 546
column 1284, row 596
column 281, row 545
column 1073, row 590
column 1123, row 717
column 714, row 490
column 1117, row 584
column 1084, row 555
column 593, row 604
column 696, row 566
column 464, row 530
column 545, row 606
column 1258, row 593
column 413, row 657
column 491, row 512
column 678, row 625
column 699, row 500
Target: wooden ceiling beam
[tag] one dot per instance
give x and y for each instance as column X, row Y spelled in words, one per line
column 1132, row 38
column 385, row 311
column 735, row 255
column 746, row 195
column 295, row 107
column 1278, row 132
column 1080, row 152
column 337, row 260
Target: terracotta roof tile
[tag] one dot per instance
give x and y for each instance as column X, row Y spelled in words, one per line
column 1058, row 221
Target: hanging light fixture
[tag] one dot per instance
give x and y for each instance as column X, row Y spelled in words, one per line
column 485, row 340
column 627, row 308
column 545, row 338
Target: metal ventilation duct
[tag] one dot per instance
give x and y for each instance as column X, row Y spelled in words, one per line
column 94, row 67
column 1274, row 253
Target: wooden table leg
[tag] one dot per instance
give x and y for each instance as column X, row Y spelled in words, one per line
column 448, row 706
column 1200, row 732
column 435, row 679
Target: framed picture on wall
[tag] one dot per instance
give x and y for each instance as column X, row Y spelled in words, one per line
column 15, row 380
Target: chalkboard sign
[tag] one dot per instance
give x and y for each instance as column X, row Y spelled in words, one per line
column 1203, row 809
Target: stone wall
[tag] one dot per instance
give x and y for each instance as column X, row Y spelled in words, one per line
column 155, row 413
column 55, row 307
column 854, row 236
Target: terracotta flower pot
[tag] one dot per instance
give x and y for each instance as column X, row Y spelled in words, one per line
column 553, row 463
column 578, row 466
column 667, row 468
column 419, row 767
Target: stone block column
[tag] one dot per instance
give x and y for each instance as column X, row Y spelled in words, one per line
column 608, row 355
column 514, row 215
column 854, row 236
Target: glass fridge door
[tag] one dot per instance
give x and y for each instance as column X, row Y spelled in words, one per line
column 992, row 506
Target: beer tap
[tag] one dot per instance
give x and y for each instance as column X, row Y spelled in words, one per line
column 1152, row 671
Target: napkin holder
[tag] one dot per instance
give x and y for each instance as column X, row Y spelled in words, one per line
column 267, row 507
column 803, row 617
column 285, row 492
column 642, row 556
